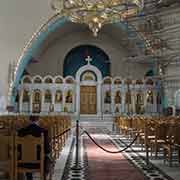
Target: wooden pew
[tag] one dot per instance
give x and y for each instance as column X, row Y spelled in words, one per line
column 29, row 155
column 6, row 157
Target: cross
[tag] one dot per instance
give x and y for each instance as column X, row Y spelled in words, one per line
column 88, row 59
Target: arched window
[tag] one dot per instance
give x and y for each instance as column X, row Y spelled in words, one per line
column 26, row 97
column 48, row 96
column 58, row 97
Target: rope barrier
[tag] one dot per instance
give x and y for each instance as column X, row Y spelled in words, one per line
column 108, row 151
column 61, row 134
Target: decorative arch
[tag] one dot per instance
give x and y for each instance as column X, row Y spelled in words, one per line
column 37, row 79
column 117, row 80
column 26, row 80
column 59, row 80
column 69, row 80
column 88, row 76
column 107, row 80
column 75, row 59
column 48, row 79
column 90, row 68
column 39, row 37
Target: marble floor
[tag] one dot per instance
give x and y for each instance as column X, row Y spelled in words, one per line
column 105, row 134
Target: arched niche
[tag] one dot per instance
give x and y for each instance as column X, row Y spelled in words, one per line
column 26, row 80
column 69, row 80
column 107, row 80
column 37, row 80
column 149, row 82
column 76, row 59
column 58, row 80
column 48, row 80
column 117, row 81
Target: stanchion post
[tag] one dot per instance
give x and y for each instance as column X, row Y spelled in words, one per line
column 146, row 145
column 77, row 165
column 148, row 166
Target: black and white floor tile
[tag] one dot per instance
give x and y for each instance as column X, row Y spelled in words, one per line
column 151, row 172
column 75, row 174
column 132, row 154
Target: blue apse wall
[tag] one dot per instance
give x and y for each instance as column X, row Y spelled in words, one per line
column 39, row 39
column 76, row 59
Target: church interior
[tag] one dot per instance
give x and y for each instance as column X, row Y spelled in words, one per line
column 90, row 90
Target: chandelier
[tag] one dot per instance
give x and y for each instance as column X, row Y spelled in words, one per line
column 96, row 13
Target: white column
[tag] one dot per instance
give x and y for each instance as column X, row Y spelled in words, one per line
column 53, row 96
column 21, row 100
column 133, row 102
column 42, row 100
column 123, row 101
column 77, row 99
column 145, row 101
column 74, row 98
column 31, row 101
column 154, row 101
column 99, row 109
column 112, row 100
column 64, row 98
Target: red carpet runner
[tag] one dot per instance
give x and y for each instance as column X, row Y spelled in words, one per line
column 105, row 166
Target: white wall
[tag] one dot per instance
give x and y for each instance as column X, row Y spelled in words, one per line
column 2, row 99
column 18, row 20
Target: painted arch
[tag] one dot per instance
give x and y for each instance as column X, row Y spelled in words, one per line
column 37, row 40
